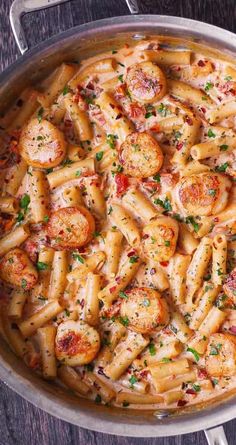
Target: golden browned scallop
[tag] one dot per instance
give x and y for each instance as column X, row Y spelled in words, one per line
column 203, row 194
column 76, row 343
column 140, row 155
column 146, row 82
column 159, row 238
column 221, row 355
column 230, row 286
column 145, row 309
column 18, row 270
column 42, row 144
column 70, row 227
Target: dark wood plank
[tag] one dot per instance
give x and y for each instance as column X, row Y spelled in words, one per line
column 20, row 422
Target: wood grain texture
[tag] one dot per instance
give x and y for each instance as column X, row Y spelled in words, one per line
column 20, row 422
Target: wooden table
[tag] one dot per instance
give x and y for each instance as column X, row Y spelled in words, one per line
column 20, row 422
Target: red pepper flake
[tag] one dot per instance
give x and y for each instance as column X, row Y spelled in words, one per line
column 203, row 110
column 112, row 289
column 233, row 329
column 182, row 402
column 132, row 253
column 216, row 219
column 188, row 120
column 146, row 236
column 164, row 263
column 191, row 391
column 202, row 374
column 179, row 146
column 122, row 183
column 201, row 63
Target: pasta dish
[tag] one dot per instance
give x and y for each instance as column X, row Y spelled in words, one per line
column 118, row 226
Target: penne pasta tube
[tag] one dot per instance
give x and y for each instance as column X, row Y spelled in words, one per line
column 109, row 293
column 72, row 380
column 193, row 168
column 17, row 302
column 93, row 381
column 161, row 370
column 197, row 268
column 91, row 264
column 198, row 343
column 75, row 152
column 179, row 327
column 141, row 386
column 46, row 336
column 159, row 278
column 179, row 267
column 58, row 275
column 113, row 245
column 91, row 310
column 38, row 195
column 166, row 384
column 212, row 148
column 126, row 224
column 14, row 338
column 30, row 104
column 125, row 353
column 57, row 111
column 173, row 396
column 96, row 200
column 14, row 178
column 70, row 172
column 189, row 136
column 101, row 66
column 137, row 202
column 168, row 350
column 209, row 294
column 8, row 204
column 169, row 124
column 72, row 196
column 29, row 326
column 61, row 77
column 212, row 322
column 129, row 398
column 219, row 259
column 221, row 112
column 168, row 57
column 79, row 118
column 189, row 93
column 13, row 239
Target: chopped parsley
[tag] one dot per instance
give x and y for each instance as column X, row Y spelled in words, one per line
column 111, row 138
column 215, row 349
column 152, row 349
column 166, row 360
column 167, row 243
column 121, row 64
column 196, row 387
column 40, row 114
column 166, row 204
column 148, row 114
column 67, row 312
column 222, row 167
column 191, row 220
column 157, row 177
column 66, row 90
column 123, row 295
column 133, row 259
column 146, row 302
column 99, row 155
column 98, row 399
column 133, row 380
column 41, row 266
column 195, row 353
column 114, row 51
column 224, row 147
column 212, row 192
column 210, row 133
column 120, row 77
column 162, row 109
column 46, row 218
column 124, row 320
column 208, row 86
column 24, row 202
column 77, row 257
column 125, row 404
column 23, row 283
column 110, row 210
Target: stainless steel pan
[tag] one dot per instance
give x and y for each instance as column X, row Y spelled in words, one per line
column 83, row 41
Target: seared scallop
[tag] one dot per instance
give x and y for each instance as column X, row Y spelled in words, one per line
column 70, row 227
column 221, row 355
column 76, row 343
column 203, row 194
column 145, row 309
column 146, row 82
column 140, row 155
column 18, row 270
column 230, row 286
column 159, row 238
column 42, row 144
